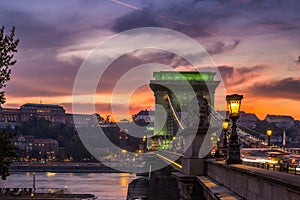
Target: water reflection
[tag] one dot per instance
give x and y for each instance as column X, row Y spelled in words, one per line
column 49, row 174
column 124, row 179
column 110, row 186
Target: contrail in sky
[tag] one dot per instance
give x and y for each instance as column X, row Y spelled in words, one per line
column 126, row 4
column 136, row 8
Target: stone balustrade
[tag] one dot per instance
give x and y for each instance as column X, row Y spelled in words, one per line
column 253, row 183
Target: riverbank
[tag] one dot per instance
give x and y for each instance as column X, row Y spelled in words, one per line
column 62, row 168
column 28, row 193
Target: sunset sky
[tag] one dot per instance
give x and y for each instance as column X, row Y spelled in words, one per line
column 254, row 43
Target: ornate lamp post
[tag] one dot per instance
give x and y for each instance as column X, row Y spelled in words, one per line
column 269, row 134
column 225, row 127
column 234, row 104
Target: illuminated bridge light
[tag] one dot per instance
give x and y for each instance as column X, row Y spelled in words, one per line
column 169, row 160
column 149, row 128
column 188, row 76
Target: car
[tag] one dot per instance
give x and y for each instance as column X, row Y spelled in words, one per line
column 298, row 168
column 292, row 160
column 261, row 155
column 274, row 157
column 254, row 155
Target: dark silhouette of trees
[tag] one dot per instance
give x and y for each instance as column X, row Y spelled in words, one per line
column 8, row 47
column 42, row 128
column 8, row 152
column 77, row 150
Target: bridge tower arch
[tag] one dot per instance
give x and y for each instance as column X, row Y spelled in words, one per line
column 172, row 91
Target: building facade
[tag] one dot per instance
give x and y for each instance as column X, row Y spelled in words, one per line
column 50, row 112
column 81, row 120
column 30, row 148
column 9, row 114
column 248, row 120
column 145, row 116
column 281, row 121
column 46, row 149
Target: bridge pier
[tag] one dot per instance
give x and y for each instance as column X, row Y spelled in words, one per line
column 186, row 185
column 193, row 164
column 192, row 167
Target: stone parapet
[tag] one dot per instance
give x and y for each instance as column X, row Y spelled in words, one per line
column 254, row 183
column 213, row 191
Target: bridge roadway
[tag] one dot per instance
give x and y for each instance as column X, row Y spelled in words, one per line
column 217, row 119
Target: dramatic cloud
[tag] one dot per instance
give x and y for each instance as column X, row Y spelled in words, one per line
column 185, row 18
column 34, row 33
column 233, row 76
column 46, row 79
column 131, row 60
column 133, row 20
column 220, row 47
column 56, row 37
column 227, row 73
column 106, row 108
column 288, row 88
column 210, row 18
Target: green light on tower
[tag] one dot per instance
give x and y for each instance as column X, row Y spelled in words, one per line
column 189, row 76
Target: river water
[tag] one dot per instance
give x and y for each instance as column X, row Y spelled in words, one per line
column 105, row 186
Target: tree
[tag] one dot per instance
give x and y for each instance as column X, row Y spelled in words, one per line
column 8, row 47
column 8, row 152
column 76, row 149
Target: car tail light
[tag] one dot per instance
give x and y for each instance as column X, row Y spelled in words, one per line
column 293, row 161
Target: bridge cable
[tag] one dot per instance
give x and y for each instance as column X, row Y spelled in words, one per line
column 174, row 113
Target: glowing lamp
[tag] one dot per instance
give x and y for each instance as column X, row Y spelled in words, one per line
column 269, row 132
column 225, row 125
column 234, row 104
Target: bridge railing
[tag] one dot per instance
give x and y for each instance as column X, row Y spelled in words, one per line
column 252, row 183
column 276, row 167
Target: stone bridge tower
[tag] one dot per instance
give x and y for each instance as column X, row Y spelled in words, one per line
column 174, row 91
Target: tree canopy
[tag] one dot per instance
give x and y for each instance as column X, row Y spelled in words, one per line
column 8, row 48
column 7, row 153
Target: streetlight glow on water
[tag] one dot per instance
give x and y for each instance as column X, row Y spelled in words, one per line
column 105, row 186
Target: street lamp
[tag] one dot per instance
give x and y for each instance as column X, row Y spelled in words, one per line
column 225, row 127
column 269, row 134
column 234, row 104
column 145, row 143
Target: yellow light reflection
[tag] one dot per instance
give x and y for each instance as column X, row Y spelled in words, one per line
column 124, row 181
column 50, row 174
column 170, row 161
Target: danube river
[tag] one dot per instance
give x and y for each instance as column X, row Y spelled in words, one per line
column 105, row 186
